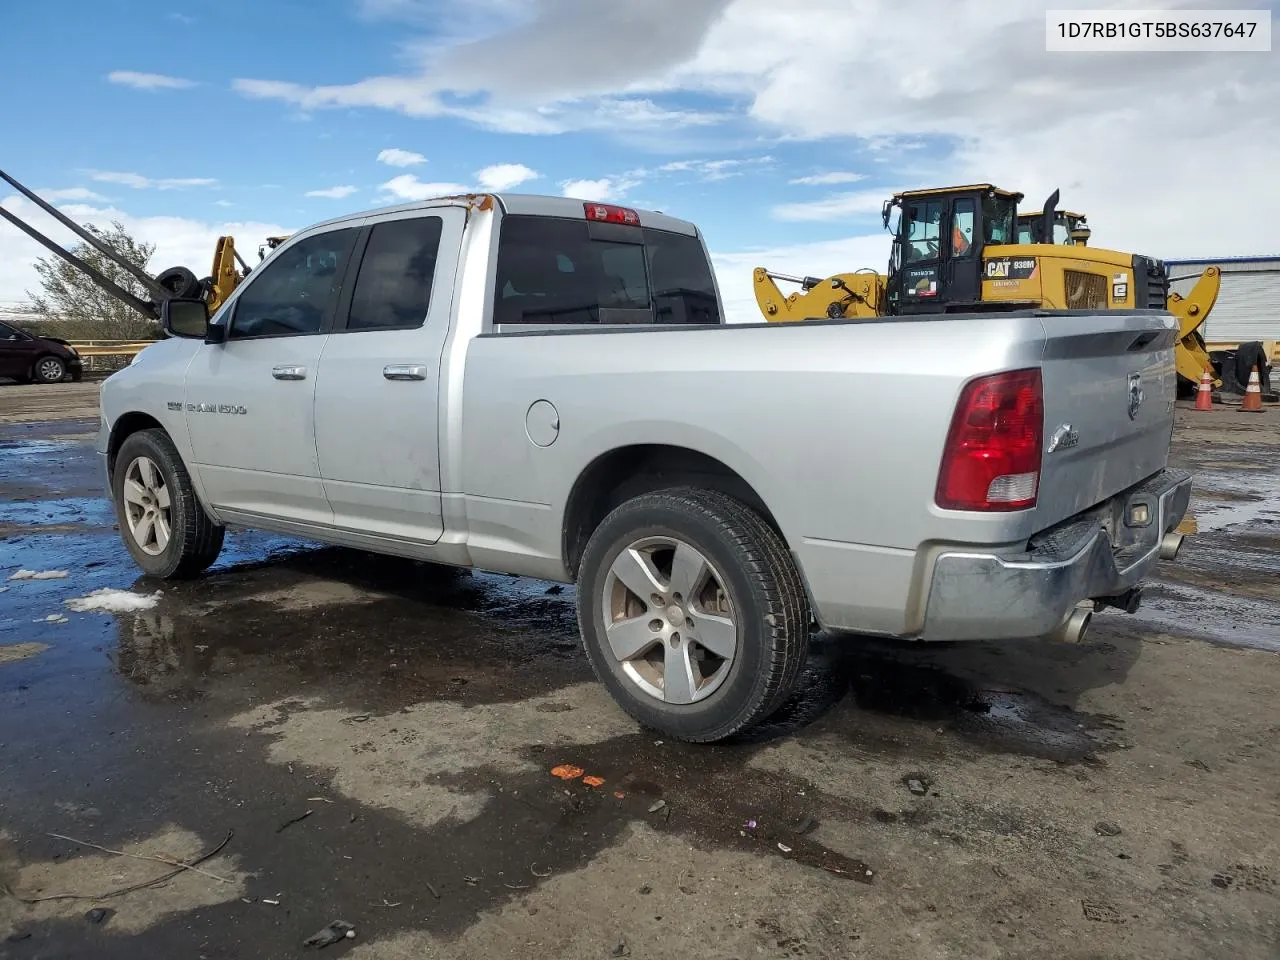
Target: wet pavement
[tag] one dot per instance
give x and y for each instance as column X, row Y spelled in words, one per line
column 373, row 741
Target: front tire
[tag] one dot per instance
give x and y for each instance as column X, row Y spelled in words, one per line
column 49, row 370
column 162, row 523
column 692, row 613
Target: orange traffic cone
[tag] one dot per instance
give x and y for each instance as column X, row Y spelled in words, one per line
column 1252, row 393
column 1204, row 395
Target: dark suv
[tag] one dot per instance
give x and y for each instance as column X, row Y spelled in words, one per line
column 26, row 357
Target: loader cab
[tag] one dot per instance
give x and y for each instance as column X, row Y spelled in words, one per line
column 936, row 262
column 1069, row 228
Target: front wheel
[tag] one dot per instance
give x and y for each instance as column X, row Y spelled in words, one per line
column 162, row 523
column 50, row 370
column 692, row 613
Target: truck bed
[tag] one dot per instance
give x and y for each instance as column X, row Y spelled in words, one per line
column 838, row 426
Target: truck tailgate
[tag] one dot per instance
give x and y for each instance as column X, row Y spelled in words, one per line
column 1109, row 387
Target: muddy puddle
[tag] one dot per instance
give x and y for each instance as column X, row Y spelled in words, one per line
column 1240, row 498
column 1187, row 611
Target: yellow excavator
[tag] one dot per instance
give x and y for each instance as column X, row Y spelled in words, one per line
column 177, row 282
column 965, row 249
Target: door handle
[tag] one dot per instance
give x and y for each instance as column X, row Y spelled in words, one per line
column 289, row 373
column 405, row 371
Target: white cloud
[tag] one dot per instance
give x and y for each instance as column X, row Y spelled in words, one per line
column 1126, row 136
column 529, row 67
column 715, row 169
column 395, row 157
column 178, row 240
column 828, row 179
column 496, row 177
column 602, row 190
column 138, row 182
column 223, row 203
column 837, row 206
column 148, row 81
column 734, row 271
column 70, row 193
column 416, row 97
column 333, row 193
column 408, row 187
column 505, row 176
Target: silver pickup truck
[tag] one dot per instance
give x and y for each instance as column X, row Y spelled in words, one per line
column 547, row 387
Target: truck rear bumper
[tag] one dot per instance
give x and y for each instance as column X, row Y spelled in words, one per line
column 979, row 595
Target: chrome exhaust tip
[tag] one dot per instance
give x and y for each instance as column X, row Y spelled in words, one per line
column 1170, row 545
column 1075, row 626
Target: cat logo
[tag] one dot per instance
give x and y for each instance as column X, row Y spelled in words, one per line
column 1007, row 268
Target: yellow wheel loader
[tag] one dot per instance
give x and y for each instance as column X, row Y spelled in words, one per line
column 179, row 282
column 959, row 250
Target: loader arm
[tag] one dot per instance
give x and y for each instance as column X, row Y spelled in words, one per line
column 844, row 295
column 157, row 291
column 1191, row 311
column 224, row 277
column 148, row 310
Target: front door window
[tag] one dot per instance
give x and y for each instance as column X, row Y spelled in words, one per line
column 924, row 230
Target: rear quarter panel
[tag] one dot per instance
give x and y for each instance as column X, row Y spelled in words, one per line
column 838, row 426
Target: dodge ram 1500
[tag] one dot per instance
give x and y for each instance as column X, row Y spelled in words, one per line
column 547, row 387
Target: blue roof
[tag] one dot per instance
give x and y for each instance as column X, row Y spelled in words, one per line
column 1275, row 256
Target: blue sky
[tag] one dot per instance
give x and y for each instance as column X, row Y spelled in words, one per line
column 779, row 130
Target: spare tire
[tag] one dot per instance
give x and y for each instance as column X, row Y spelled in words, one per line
column 180, row 282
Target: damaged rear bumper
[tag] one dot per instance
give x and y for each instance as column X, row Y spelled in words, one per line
column 983, row 595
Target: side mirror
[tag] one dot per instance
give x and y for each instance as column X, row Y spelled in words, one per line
column 185, row 318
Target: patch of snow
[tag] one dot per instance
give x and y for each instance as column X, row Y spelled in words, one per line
column 107, row 600
column 52, row 618
column 39, row 575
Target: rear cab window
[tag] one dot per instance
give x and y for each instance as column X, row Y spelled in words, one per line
column 562, row 271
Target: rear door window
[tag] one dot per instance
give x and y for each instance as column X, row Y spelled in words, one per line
column 684, row 290
column 393, row 287
column 563, row 271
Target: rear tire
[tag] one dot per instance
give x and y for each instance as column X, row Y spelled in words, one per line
column 49, row 369
column 707, row 665
column 162, row 523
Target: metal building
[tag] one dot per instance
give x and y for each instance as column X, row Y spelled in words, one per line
column 1248, row 306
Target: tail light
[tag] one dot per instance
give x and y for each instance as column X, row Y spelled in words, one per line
column 992, row 457
column 608, row 213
